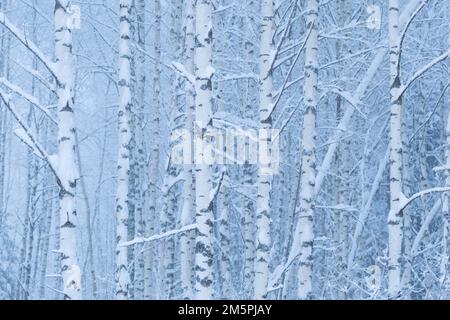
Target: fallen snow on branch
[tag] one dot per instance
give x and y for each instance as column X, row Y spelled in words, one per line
column 158, row 236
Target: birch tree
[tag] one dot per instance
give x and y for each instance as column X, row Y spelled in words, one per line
column 187, row 210
column 263, row 241
column 123, row 162
column 395, row 220
column 204, row 72
column 304, row 229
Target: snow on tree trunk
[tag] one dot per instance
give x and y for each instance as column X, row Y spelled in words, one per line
column 186, row 241
column 203, row 176
column 223, row 206
column 395, row 219
column 154, row 155
column 264, row 180
column 444, row 276
column 305, row 220
column 123, row 163
column 444, row 264
column 140, row 152
column 70, row 268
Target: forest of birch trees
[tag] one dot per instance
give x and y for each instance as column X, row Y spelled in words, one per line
column 224, row 149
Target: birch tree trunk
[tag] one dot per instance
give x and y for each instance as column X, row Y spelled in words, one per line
column 343, row 159
column 395, row 219
column 307, row 182
column 47, row 210
column 4, row 49
column 264, row 180
column 444, row 265
column 223, row 206
column 248, row 219
column 154, row 171
column 141, row 152
column 186, row 240
column 444, row 276
column 123, row 162
column 203, row 174
column 70, row 268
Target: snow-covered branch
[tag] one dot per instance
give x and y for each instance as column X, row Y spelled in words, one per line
column 404, row 202
column 30, row 45
column 420, row 72
column 29, row 139
column 181, row 70
column 32, row 99
column 159, row 236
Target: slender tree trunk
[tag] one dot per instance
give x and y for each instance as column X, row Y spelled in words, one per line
column 444, row 276
column 186, row 240
column 90, row 248
column 343, row 162
column 66, row 153
column 305, row 220
column 204, row 72
column 141, row 152
column 395, row 219
column 264, row 179
column 444, row 270
column 154, row 173
column 47, row 210
column 225, row 243
column 123, row 165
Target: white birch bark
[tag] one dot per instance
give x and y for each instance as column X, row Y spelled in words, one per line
column 444, row 276
column 141, row 152
column 168, row 215
column 248, row 182
column 304, row 228
column 203, row 176
column 4, row 49
column 395, row 219
column 68, row 175
column 444, row 264
column 123, row 163
column 264, row 180
column 186, row 240
column 225, row 279
column 154, row 170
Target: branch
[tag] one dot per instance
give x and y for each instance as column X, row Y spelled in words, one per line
column 365, row 211
column 285, row 83
column 350, row 99
column 277, row 49
column 158, row 236
column 181, row 70
column 420, row 72
column 30, row 98
column 36, row 74
column 20, row 35
column 407, row 201
column 424, row 227
column 214, row 192
column 30, row 140
column 410, row 20
column 378, row 60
